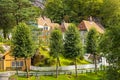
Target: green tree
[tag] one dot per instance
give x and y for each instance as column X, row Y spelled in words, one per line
column 72, row 44
column 14, row 11
column 24, row 11
column 6, row 17
column 110, row 46
column 72, row 10
column 110, row 12
column 56, row 46
column 106, row 12
column 91, row 45
column 22, row 43
column 54, row 10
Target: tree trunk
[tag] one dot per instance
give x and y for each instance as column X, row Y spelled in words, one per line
column 26, row 67
column 76, row 67
column 16, row 66
column 59, row 61
column 4, row 34
column 57, row 67
column 95, row 62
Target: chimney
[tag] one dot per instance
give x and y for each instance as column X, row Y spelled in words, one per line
column 90, row 19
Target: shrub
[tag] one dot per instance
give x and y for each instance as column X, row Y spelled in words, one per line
column 72, row 63
column 81, row 58
column 49, row 61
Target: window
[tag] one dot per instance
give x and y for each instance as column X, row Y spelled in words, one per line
column 19, row 64
column 13, row 64
column 45, row 28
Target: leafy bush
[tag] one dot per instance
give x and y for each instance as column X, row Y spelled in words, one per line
column 72, row 63
column 81, row 58
column 49, row 61
column 112, row 74
column 1, row 39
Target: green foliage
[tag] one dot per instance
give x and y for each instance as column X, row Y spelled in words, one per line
column 1, row 49
column 91, row 44
column 112, row 74
column 106, row 12
column 56, row 46
column 56, row 43
column 49, row 61
column 110, row 12
column 72, row 44
column 54, row 10
column 22, row 41
column 24, row 11
column 44, row 59
column 110, row 46
column 1, row 39
column 72, row 10
column 14, row 11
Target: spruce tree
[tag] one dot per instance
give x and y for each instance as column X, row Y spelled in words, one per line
column 110, row 46
column 72, row 44
column 91, row 45
column 22, row 43
column 56, row 46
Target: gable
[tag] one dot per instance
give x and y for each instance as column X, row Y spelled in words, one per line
column 87, row 25
column 7, row 55
column 82, row 26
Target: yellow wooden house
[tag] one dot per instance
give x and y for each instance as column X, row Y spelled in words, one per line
column 7, row 62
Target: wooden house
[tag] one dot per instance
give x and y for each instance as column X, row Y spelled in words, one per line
column 46, row 26
column 85, row 26
column 7, row 62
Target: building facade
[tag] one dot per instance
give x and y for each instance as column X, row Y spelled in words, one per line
column 7, row 62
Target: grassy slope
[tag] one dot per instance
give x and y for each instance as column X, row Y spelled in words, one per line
column 63, row 61
column 88, row 76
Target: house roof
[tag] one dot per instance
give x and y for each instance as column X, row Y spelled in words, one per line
column 64, row 26
column 87, row 25
column 43, row 20
column 2, row 55
column 46, row 21
column 7, row 52
column 55, row 25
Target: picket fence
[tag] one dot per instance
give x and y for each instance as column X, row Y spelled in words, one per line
column 62, row 68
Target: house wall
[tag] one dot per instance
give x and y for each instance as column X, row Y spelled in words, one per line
column 1, row 65
column 83, row 35
column 45, row 34
column 8, row 59
column 28, row 64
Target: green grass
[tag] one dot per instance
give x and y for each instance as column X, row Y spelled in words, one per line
column 45, row 53
column 88, row 76
column 63, row 61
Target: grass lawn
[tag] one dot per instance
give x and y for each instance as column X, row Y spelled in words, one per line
column 88, row 76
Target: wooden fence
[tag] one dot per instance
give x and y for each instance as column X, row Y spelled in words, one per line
column 62, row 68
column 60, row 72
